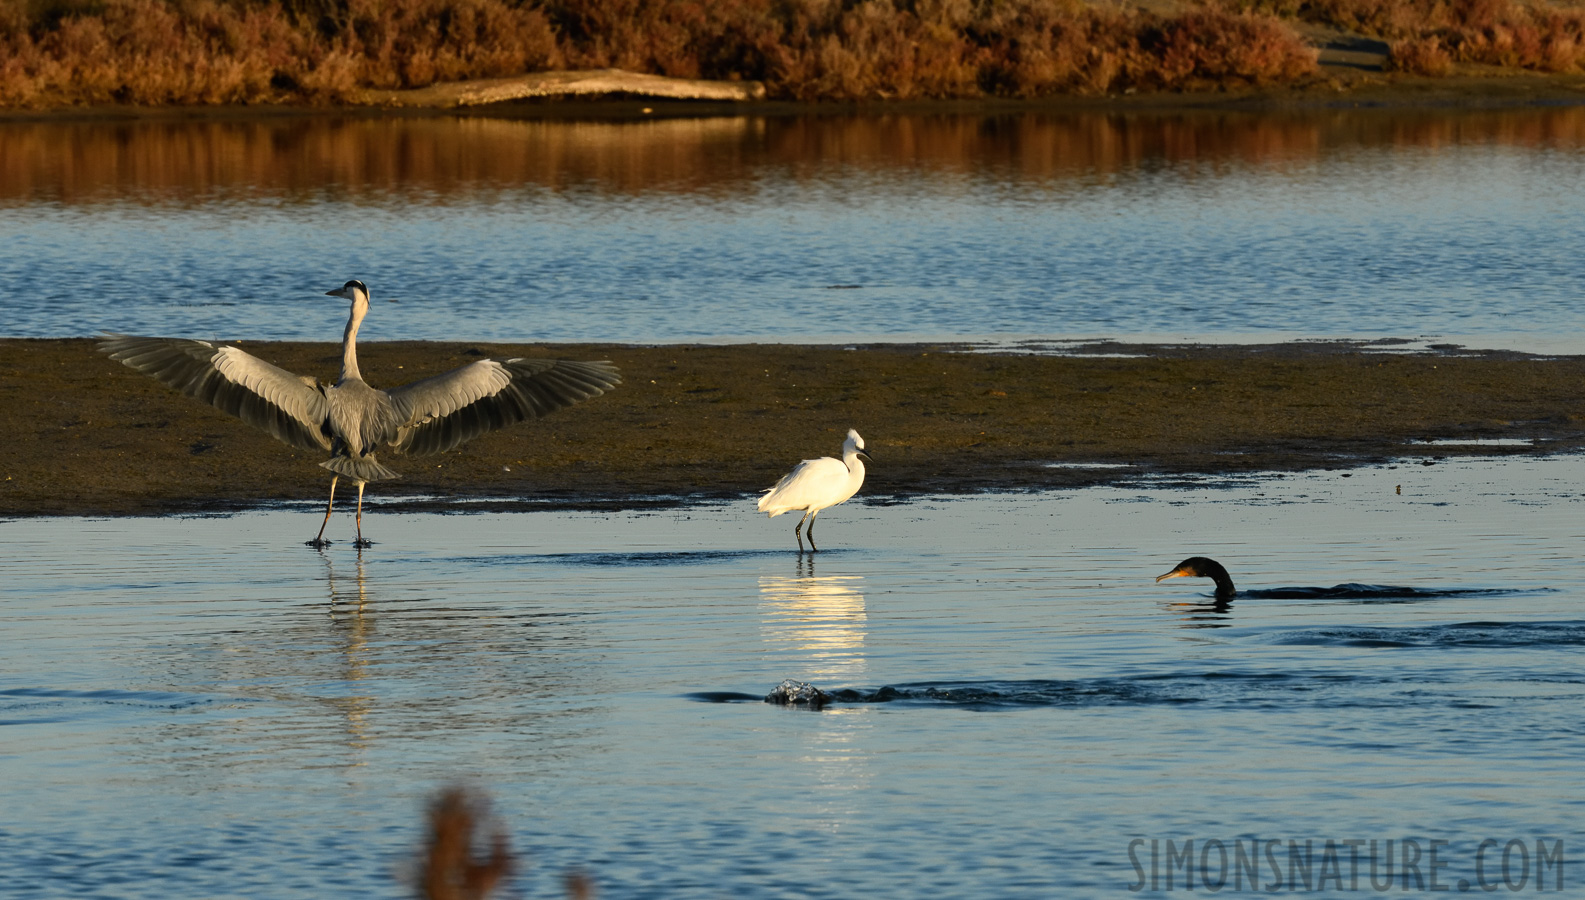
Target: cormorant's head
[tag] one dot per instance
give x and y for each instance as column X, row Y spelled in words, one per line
column 1202, row 567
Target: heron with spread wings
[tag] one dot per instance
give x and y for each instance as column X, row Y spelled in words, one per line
column 350, row 419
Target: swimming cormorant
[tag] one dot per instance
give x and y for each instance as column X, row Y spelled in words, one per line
column 1203, row 567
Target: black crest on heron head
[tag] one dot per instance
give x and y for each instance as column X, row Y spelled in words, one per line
column 355, row 283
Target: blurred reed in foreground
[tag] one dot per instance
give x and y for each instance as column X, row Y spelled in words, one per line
column 451, row 867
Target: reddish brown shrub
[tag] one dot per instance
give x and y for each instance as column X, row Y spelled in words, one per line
column 1419, row 56
column 1434, row 34
column 252, row 51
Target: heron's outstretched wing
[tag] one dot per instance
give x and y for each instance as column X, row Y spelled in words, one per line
column 443, row 411
column 228, row 379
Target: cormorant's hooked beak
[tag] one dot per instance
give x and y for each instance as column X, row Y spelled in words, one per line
column 1175, row 573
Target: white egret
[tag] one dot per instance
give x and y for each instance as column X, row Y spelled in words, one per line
column 816, row 484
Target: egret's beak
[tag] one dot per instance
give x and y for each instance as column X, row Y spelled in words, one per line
column 866, row 454
column 1175, row 573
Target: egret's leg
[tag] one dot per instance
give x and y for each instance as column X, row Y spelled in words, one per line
column 319, row 539
column 360, row 542
column 810, row 531
column 796, row 531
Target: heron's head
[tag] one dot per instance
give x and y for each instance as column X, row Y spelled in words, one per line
column 857, row 443
column 353, row 290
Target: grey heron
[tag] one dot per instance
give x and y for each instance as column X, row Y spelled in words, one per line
column 816, row 484
column 352, row 420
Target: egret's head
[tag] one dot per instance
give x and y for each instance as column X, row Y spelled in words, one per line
column 858, row 443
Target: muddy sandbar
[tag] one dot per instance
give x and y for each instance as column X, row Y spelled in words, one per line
column 91, row 437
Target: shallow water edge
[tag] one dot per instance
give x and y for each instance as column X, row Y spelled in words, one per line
column 1037, row 699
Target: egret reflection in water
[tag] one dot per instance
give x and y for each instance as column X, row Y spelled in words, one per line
column 817, row 622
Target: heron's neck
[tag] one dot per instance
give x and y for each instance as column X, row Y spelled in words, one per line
column 349, row 341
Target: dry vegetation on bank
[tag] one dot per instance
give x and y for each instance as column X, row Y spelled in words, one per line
column 207, row 52
column 61, row 52
column 1429, row 37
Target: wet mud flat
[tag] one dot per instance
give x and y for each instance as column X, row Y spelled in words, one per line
column 91, row 437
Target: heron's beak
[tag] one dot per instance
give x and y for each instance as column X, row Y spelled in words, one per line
column 866, row 455
column 338, row 292
column 1175, row 573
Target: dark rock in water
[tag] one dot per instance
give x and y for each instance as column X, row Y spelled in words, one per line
column 798, row 693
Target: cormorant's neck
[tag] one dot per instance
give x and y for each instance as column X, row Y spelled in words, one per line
column 349, row 340
column 1224, row 582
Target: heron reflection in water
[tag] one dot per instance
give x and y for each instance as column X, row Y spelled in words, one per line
column 818, row 621
column 348, row 604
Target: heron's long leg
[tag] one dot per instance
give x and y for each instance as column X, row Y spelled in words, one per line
column 319, row 539
column 797, row 533
column 810, row 531
column 360, row 542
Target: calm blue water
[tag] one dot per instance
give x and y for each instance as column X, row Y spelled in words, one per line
column 206, row 708
column 1461, row 227
column 197, row 708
